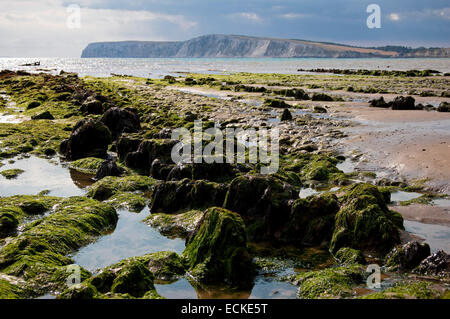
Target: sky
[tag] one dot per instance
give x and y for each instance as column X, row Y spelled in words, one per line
column 56, row 28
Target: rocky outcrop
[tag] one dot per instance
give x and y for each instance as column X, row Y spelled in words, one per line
column 121, row 121
column 365, row 222
column 263, row 202
column 437, row 263
column 89, row 138
column 217, row 250
column 407, row 257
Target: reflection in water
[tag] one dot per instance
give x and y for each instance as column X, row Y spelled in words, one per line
column 264, row 288
column 41, row 174
column 437, row 236
column 131, row 238
column 401, row 196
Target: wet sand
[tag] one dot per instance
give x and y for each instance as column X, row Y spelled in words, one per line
column 425, row 214
column 414, row 144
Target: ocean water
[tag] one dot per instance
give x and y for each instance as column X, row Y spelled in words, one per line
column 156, row 68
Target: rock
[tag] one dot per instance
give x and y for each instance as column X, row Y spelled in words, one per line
column 286, row 116
column 33, row 207
column 109, row 168
column 215, row 172
column 92, row 106
column 436, row 264
column 379, row 103
column 279, row 104
column 349, row 256
column 166, row 265
column 444, row 107
column 89, row 138
column 33, row 105
column 8, row 223
column 407, row 257
column 121, row 121
column 147, row 152
column 127, row 144
column 46, row 115
column 263, row 202
column 365, row 222
column 403, row 103
column 319, row 109
column 82, row 291
column 133, row 278
column 172, row 197
column 216, row 251
column 321, row 97
column 312, row 220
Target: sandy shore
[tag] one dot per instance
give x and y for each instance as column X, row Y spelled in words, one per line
column 415, row 144
column 425, row 214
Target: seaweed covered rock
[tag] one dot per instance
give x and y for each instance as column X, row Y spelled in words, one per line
column 349, row 256
column 175, row 225
column 407, row 257
column 436, row 264
column 121, row 121
column 328, row 283
column 365, row 222
column 216, row 251
column 408, row 290
column 111, row 185
column 312, row 220
column 165, row 265
column 171, row 197
column 89, row 138
column 12, row 288
column 39, row 253
column 263, row 202
column 216, row 172
column 129, row 278
column 109, row 168
column 92, row 106
column 147, row 151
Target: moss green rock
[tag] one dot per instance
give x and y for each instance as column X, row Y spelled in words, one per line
column 365, row 222
column 217, row 251
column 348, row 256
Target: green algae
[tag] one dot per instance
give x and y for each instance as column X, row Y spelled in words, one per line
column 112, row 185
column 409, row 290
column 175, row 225
column 88, row 165
column 39, row 253
column 347, row 255
column 217, row 252
column 11, row 173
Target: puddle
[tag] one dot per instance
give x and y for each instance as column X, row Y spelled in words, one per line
column 441, row 202
column 306, row 192
column 10, row 119
column 131, row 238
column 264, row 288
column 41, row 174
column 347, row 166
column 437, row 236
column 400, row 196
column 203, row 93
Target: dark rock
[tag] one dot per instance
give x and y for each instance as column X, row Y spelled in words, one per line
column 127, row 144
column 263, row 202
column 89, row 138
column 92, row 106
column 444, row 107
column 286, row 116
column 379, row 103
column 321, row 97
column 109, row 168
column 121, row 121
column 437, row 263
column 407, row 257
column 172, row 197
column 33, row 105
column 319, row 109
column 312, row 220
column 46, row 115
column 403, row 103
column 148, row 151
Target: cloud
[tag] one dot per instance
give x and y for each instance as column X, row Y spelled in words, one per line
column 31, row 28
column 291, row 16
column 394, row 17
column 249, row 16
column 442, row 14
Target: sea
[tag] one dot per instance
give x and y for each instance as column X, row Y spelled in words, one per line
column 157, row 68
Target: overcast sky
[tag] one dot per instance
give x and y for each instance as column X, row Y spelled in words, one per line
column 30, row 28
